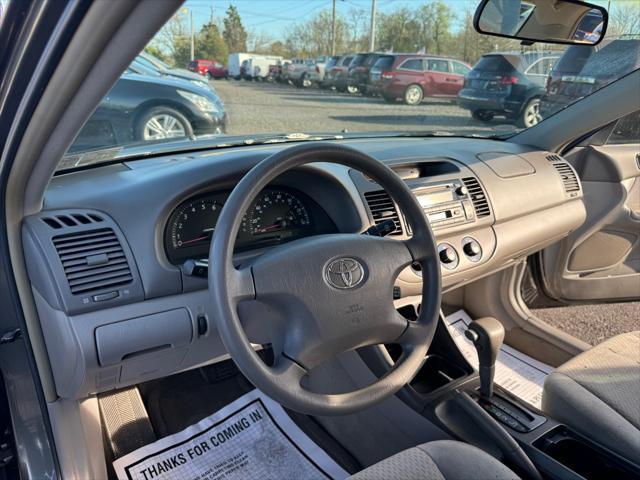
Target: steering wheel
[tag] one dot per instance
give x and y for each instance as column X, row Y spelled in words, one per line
column 333, row 292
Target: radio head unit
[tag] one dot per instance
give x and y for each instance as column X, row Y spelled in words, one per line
column 445, row 203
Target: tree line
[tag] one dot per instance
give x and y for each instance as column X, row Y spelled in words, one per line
column 433, row 27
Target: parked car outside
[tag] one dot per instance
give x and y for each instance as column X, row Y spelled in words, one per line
column 583, row 69
column 302, row 72
column 509, row 84
column 323, row 69
column 414, row 77
column 154, row 62
column 359, row 71
column 199, row 66
column 337, row 75
column 145, row 65
column 147, row 108
column 277, row 71
column 257, row 67
column 216, row 71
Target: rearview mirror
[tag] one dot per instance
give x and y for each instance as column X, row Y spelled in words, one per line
column 549, row 21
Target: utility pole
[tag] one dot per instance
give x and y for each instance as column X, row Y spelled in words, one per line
column 193, row 41
column 372, row 29
column 333, row 29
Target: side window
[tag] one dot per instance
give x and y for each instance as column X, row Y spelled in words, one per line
column 414, row 64
column 542, row 66
column 460, row 68
column 436, row 65
column 627, row 130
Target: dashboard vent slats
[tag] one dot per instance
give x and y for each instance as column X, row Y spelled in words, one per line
column 76, row 219
column 478, row 197
column 382, row 208
column 568, row 176
column 554, row 158
column 92, row 260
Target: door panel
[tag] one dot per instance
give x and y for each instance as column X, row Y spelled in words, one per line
column 600, row 261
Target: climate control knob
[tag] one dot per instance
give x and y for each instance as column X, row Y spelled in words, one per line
column 471, row 248
column 448, row 256
column 462, row 191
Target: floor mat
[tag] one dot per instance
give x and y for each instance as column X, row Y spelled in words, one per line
column 252, row 437
column 173, row 403
column 516, row 372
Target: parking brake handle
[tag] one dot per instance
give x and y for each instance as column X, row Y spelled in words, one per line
column 487, row 335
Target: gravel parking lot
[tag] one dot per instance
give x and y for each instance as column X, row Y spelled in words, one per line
column 256, row 107
column 593, row 323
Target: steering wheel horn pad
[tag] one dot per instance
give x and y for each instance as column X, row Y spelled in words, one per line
column 333, row 292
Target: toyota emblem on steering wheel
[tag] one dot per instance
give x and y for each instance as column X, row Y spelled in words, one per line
column 344, row 273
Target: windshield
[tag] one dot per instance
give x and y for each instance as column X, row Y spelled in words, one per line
column 228, row 72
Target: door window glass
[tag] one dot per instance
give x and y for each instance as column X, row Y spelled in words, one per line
column 627, row 130
column 438, row 65
column 459, row 68
column 412, row 64
column 542, row 66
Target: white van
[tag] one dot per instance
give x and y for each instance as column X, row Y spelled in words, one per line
column 234, row 63
column 257, row 67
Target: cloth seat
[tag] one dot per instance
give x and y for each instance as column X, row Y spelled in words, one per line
column 597, row 393
column 438, row 460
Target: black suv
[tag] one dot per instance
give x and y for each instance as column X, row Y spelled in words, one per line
column 508, row 84
column 584, row 69
column 359, row 71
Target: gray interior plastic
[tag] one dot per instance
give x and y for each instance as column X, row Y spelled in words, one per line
column 528, row 212
column 143, row 335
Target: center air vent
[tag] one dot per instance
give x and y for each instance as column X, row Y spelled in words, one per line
column 478, row 197
column 554, row 158
column 92, row 260
column 382, row 208
column 569, row 178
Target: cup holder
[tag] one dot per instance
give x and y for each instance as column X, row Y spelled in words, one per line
column 436, row 372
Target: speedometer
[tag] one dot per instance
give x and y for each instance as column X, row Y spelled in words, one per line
column 277, row 213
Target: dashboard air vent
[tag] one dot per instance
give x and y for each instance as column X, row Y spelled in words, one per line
column 554, row 158
column 478, row 197
column 72, row 220
column 569, row 178
column 382, row 208
column 92, row 260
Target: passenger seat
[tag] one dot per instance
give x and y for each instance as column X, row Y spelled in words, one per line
column 597, row 393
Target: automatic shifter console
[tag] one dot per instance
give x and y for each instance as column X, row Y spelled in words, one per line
column 487, row 335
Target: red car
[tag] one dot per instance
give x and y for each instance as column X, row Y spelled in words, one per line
column 208, row 68
column 413, row 77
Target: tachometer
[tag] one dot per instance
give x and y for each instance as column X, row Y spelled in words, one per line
column 190, row 228
column 277, row 213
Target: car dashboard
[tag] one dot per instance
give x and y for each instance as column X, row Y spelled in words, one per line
column 124, row 296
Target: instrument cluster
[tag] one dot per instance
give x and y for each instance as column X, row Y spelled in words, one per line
column 276, row 216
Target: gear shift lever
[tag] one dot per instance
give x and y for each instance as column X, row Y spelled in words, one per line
column 487, row 335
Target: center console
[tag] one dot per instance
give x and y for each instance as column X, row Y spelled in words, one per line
column 498, row 422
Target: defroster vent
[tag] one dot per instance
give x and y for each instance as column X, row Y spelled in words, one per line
column 478, row 197
column 569, row 178
column 92, row 260
column 382, row 208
